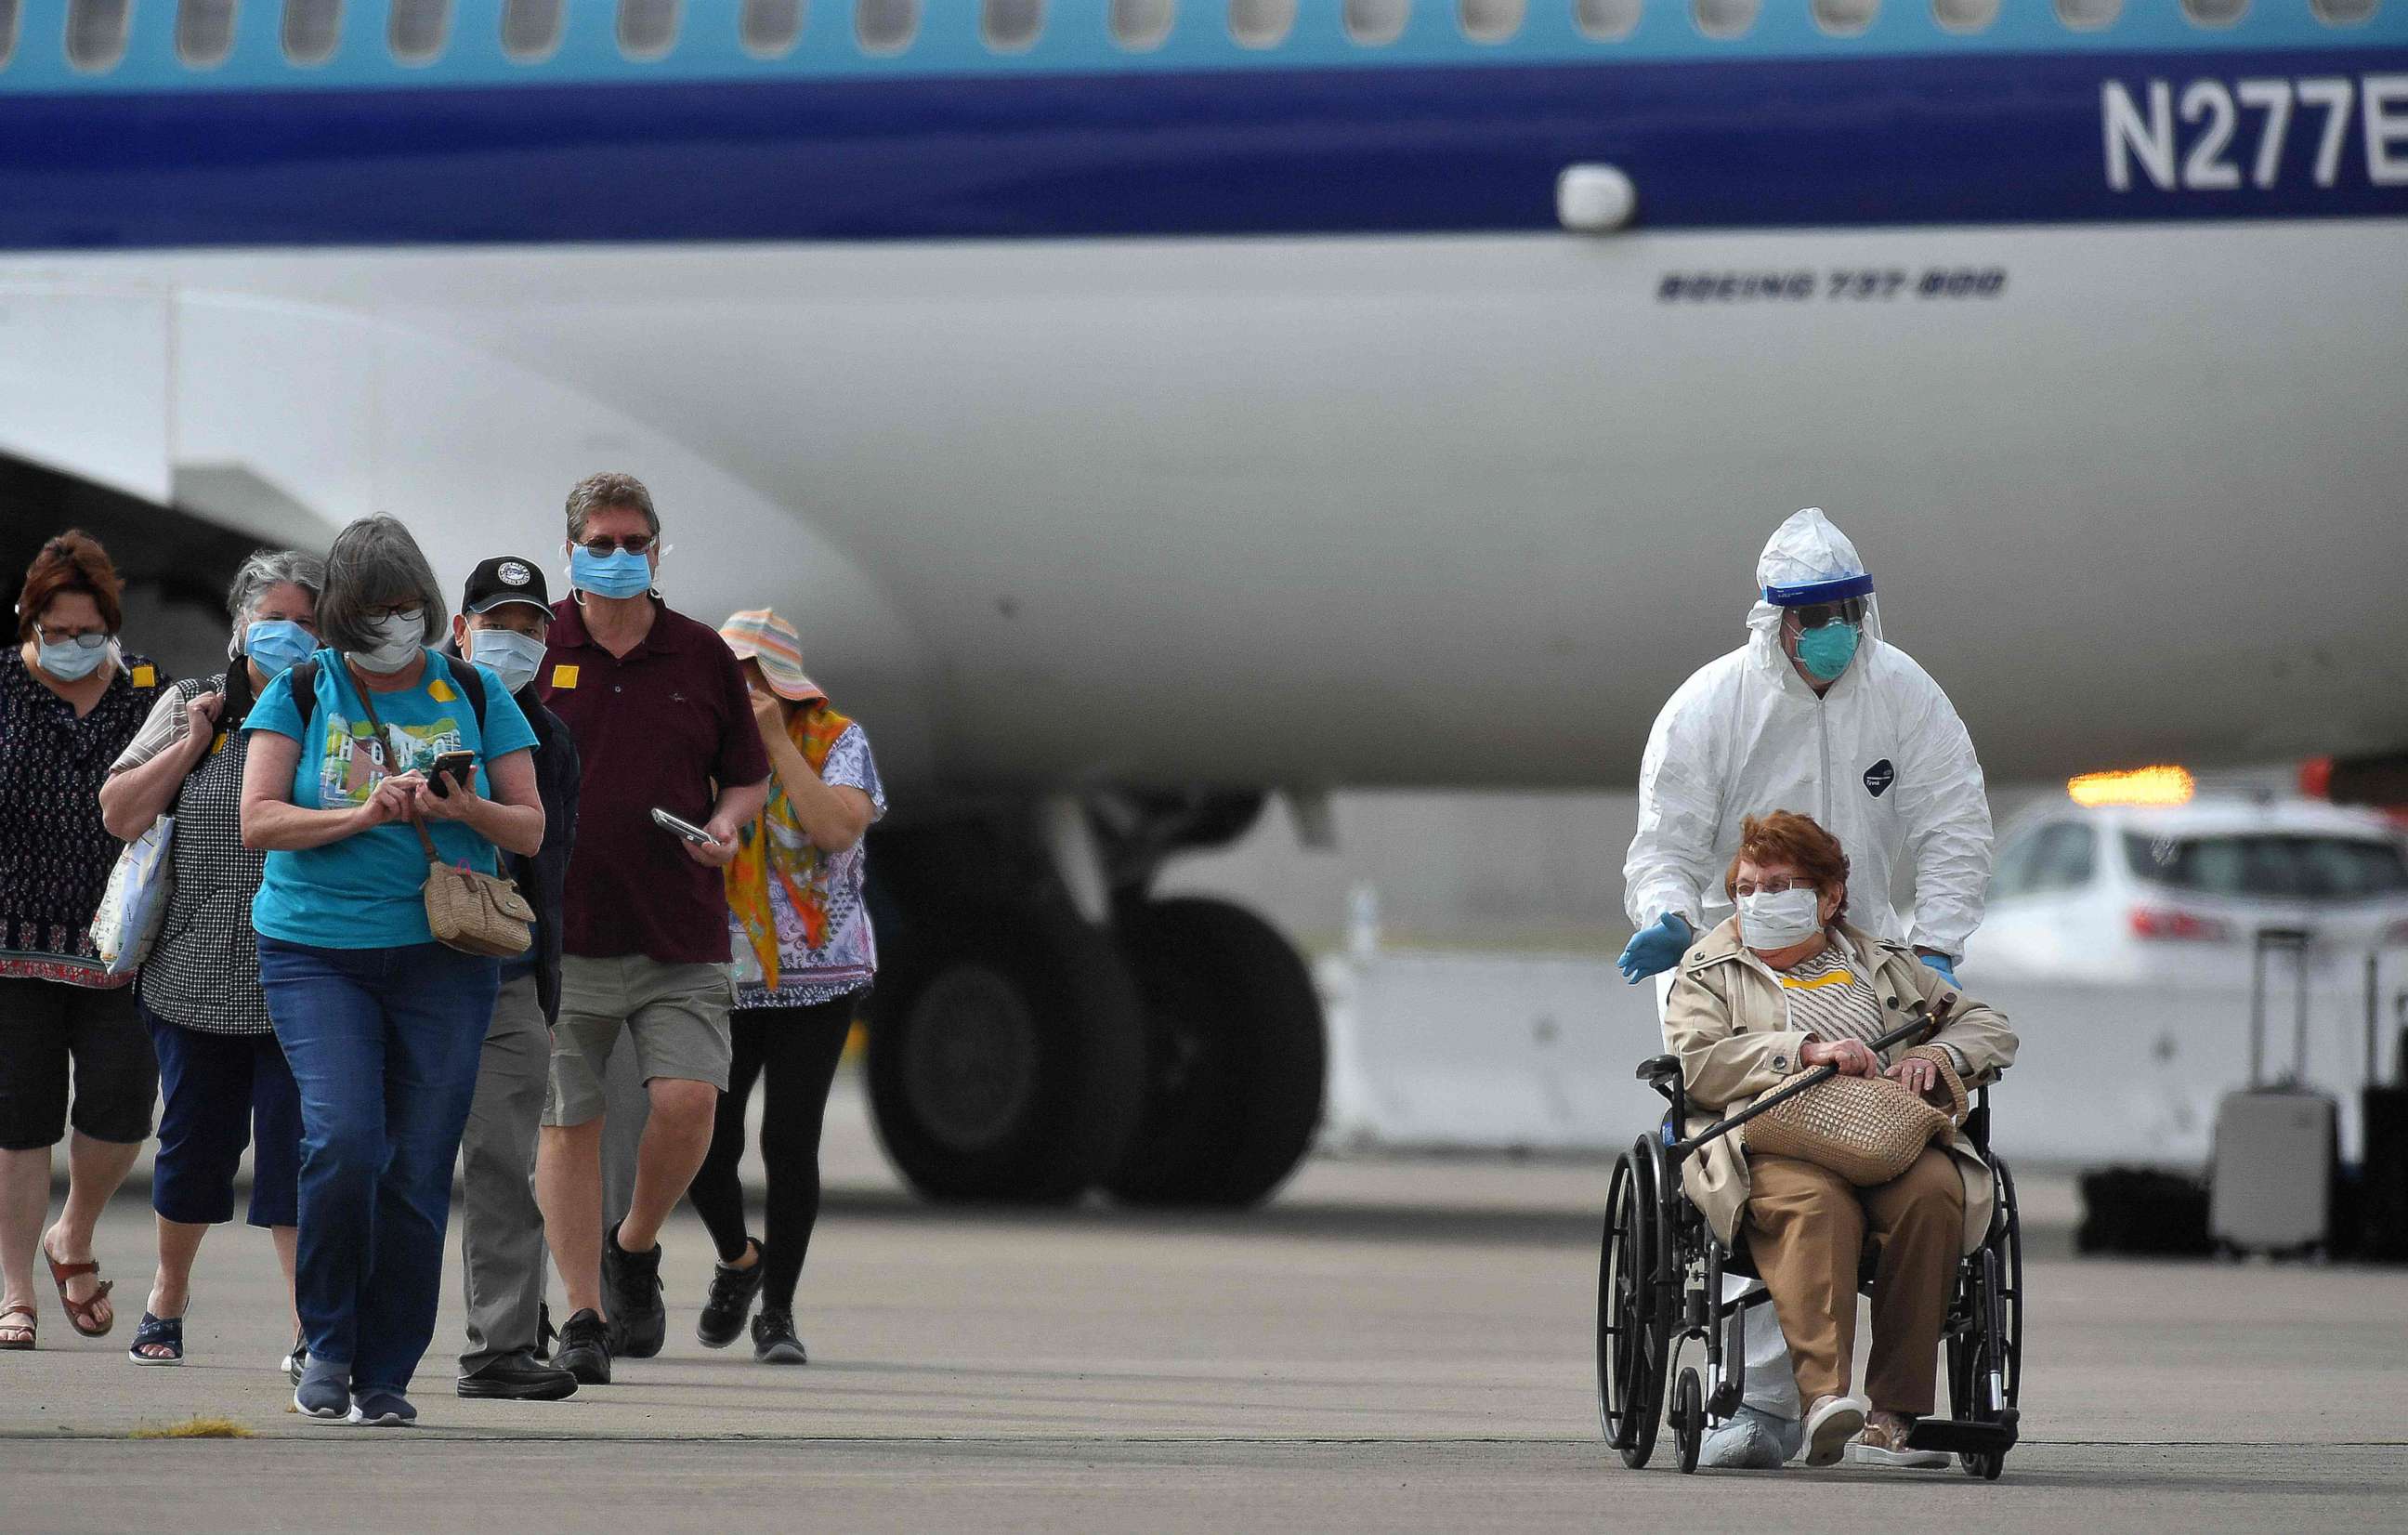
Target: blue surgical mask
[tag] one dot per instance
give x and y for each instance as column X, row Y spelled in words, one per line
column 620, row 573
column 515, row 658
column 1827, row 651
column 275, row 645
column 68, row 661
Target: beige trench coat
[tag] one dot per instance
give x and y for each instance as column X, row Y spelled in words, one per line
column 1728, row 1022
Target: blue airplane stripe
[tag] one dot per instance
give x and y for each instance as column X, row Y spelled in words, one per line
column 1076, row 40
column 1846, row 143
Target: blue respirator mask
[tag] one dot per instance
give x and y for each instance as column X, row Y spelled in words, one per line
column 1827, row 651
column 620, row 573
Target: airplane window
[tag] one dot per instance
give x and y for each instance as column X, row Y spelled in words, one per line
column 204, row 32
column 2088, row 15
column 2333, row 13
column 885, row 26
column 771, row 28
column 1724, row 18
column 1845, row 18
column 1261, row 23
column 1606, row 20
column 648, row 29
column 2214, row 13
column 311, row 30
column 97, row 32
column 1490, row 20
column 530, row 29
column 415, row 30
column 1140, row 24
column 1011, row 26
column 1964, row 15
column 1376, row 23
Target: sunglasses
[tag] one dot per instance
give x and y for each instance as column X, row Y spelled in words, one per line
column 633, row 543
column 1814, row 615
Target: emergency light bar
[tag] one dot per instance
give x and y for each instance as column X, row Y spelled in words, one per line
column 2132, row 786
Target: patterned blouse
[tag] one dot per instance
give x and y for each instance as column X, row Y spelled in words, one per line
column 203, row 970
column 848, row 957
column 54, row 853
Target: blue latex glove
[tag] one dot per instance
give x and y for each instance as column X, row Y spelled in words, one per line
column 1654, row 950
column 1945, row 965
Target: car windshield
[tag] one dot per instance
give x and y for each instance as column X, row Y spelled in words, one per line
column 2269, row 864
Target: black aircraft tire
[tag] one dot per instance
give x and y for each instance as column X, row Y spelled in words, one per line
column 1010, row 1066
column 1237, row 1056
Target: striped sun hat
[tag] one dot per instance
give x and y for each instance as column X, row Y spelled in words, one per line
column 758, row 634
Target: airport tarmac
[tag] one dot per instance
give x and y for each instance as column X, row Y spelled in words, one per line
column 1396, row 1344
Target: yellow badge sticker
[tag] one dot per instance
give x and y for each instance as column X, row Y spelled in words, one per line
column 146, row 676
column 218, row 745
column 563, row 674
column 440, row 691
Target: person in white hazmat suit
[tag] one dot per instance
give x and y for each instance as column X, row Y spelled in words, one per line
column 1817, row 713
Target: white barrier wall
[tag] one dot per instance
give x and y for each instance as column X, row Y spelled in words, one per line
column 1432, row 1049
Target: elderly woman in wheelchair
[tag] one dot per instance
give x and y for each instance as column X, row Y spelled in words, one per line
column 1784, row 986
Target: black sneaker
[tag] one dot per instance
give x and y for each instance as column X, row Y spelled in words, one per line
column 584, row 1349
column 544, row 1332
column 730, row 1300
column 517, row 1377
column 773, row 1338
column 631, row 1284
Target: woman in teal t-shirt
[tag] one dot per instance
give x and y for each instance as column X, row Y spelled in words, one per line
column 384, row 1026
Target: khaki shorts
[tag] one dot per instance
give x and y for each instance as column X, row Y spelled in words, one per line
column 677, row 1015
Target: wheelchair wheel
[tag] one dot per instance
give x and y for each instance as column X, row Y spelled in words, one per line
column 1986, row 1358
column 1630, row 1343
column 1689, row 1420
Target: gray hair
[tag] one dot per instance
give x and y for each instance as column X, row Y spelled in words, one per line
column 375, row 561
column 605, row 493
column 265, row 571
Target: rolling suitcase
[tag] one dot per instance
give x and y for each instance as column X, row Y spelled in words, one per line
column 2277, row 1144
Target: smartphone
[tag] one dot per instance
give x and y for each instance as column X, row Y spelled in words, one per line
column 686, row 829
column 458, row 767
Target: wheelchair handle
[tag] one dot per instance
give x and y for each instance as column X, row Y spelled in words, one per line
column 1923, row 1022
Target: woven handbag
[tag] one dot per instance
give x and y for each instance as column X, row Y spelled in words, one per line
column 474, row 913
column 1867, row 1129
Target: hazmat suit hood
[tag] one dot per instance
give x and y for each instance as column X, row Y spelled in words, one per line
column 1806, row 555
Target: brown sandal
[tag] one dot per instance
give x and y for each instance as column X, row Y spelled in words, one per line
column 80, row 1312
column 24, row 1330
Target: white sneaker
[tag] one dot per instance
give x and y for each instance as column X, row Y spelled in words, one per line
column 1833, row 1422
column 1883, row 1443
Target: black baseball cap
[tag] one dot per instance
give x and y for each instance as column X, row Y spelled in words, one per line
column 504, row 579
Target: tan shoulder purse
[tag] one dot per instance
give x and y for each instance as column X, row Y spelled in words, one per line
column 1868, row 1130
column 475, row 913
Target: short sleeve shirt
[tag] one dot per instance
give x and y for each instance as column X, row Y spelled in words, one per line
column 846, row 958
column 665, row 726
column 365, row 891
column 55, row 854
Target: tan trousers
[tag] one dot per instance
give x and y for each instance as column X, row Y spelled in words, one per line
column 1809, row 1228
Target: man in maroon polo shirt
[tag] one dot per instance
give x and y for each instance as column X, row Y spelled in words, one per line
column 660, row 717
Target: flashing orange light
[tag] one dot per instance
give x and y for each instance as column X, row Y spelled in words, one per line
column 2133, row 786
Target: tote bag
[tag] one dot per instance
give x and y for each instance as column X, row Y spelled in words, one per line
column 135, row 902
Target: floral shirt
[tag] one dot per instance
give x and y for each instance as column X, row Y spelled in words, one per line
column 848, row 957
column 54, row 853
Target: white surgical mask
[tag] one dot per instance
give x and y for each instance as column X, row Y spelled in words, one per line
column 515, row 658
column 399, row 639
column 1769, row 921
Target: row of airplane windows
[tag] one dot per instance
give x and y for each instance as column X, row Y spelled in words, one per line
column 416, row 30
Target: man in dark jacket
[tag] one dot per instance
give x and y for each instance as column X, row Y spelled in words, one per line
column 501, row 625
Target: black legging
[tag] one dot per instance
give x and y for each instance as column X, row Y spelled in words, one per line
column 797, row 1050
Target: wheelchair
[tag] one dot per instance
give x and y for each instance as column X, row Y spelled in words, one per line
column 1659, row 1290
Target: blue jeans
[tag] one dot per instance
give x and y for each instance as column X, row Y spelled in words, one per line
column 386, row 1045
column 224, row 1091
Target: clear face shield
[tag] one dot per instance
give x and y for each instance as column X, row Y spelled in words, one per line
column 1824, row 623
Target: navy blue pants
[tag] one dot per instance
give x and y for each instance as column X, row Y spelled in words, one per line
column 384, row 1044
column 223, row 1092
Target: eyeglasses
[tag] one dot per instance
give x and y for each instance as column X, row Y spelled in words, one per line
column 1771, row 887
column 393, row 609
column 87, row 639
column 1814, row 615
column 633, row 543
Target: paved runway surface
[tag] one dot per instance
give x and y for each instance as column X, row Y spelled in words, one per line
column 1396, row 1345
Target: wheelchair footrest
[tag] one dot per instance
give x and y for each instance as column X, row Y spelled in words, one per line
column 1964, row 1436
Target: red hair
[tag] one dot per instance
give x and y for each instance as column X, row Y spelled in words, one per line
column 1786, row 837
column 72, row 562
